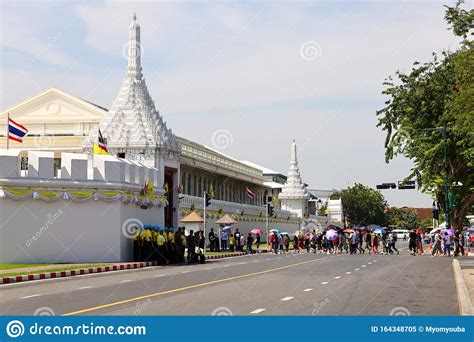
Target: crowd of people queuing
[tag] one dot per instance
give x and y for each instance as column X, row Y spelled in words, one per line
column 165, row 246
column 349, row 241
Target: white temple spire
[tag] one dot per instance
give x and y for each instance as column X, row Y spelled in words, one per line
column 134, row 50
column 294, row 187
column 133, row 126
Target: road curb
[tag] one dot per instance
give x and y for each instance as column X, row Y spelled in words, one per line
column 102, row 269
column 464, row 300
column 79, row 271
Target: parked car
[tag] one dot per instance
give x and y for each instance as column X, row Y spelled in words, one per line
column 400, row 233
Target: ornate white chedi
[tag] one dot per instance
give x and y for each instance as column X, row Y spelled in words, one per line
column 294, row 196
column 133, row 126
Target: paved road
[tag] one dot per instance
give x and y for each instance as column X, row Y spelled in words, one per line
column 294, row 284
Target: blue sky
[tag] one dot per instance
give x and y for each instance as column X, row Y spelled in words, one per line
column 239, row 67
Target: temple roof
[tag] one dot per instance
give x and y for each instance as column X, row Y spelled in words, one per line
column 294, row 187
column 133, row 121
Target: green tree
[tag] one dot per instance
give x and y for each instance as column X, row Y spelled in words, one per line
column 403, row 219
column 363, row 205
column 434, row 98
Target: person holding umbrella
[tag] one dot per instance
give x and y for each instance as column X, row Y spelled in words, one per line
column 447, row 244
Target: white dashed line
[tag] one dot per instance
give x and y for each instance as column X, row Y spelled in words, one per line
column 364, row 266
column 183, row 272
column 125, row 281
column 35, row 295
column 369, row 263
column 257, row 311
column 375, row 260
column 348, row 272
column 226, row 265
column 338, row 277
column 84, row 287
column 356, row 269
column 207, row 269
column 307, row 290
column 268, row 259
column 255, row 261
column 287, row 299
column 159, row 275
column 324, row 283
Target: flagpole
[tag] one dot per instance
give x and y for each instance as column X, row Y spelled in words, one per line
column 8, row 130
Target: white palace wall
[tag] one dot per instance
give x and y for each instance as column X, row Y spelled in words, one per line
column 64, row 229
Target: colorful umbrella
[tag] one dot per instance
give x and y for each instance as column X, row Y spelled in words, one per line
column 274, row 230
column 227, row 228
column 348, row 230
column 256, row 231
column 331, row 235
column 379, row 231
column 449, row 231
column 284, row 233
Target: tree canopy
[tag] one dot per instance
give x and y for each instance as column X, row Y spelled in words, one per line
column 432, row 99
column 363, row 205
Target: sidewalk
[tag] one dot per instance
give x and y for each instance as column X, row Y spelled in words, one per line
column 464, row 278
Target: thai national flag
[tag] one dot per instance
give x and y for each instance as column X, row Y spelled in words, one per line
column 250, row 193
column 16, row 131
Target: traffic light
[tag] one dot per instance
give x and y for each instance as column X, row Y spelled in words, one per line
column 207, row 199
column 435, row 211
column 270, row 209
column 387, row 186
column 406, row 185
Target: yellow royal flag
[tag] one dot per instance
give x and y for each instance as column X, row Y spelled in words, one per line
column 211, row 190
column 99, row 150
column 151, row 191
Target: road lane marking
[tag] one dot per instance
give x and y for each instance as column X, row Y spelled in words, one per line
column 364, row 266
column 324, row 283
column 125, row 281
column 268, row 259
column 255, row 261
column 307, row 290
column 159, row 275
column 84, row 287
column 207, row 269
column 183, row 272
column 369, row 263
column 257, row 311
column 35, row 295
column 338, row 277
column 356, row 269
column 287, row 299
column 348, row 272
column 193, row 287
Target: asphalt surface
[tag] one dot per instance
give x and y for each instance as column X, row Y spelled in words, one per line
column 265, row 284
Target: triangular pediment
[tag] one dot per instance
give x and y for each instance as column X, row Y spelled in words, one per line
column 53, row 106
